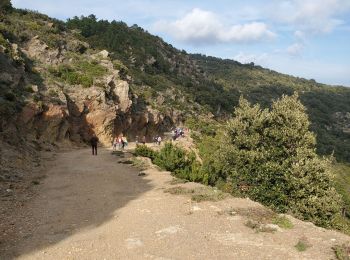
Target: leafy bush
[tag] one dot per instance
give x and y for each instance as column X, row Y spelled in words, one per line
column 123, row 70
column 80, row 73
column 173, row 158
column 270, row 156
column 144, row 151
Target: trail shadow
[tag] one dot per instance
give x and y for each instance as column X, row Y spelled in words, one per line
column 80, row 193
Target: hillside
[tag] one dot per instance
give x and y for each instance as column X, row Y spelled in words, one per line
column 62, row 82
column 164, row 78
column 216, row 84
column 58, row 87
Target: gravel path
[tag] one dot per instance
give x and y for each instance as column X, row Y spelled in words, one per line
column 92, row 207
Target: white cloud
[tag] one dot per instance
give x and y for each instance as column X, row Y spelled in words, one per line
column 299, row 35
column 311, row 15
column 248, row 58
column 295, row 49
column 204, row 27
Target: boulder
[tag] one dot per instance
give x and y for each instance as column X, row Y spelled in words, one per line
column 104, row 54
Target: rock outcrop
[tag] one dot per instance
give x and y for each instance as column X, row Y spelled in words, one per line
column 106, row 109
column 39, row 111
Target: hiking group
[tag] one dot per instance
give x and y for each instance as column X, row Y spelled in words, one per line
column 119, row 142
column 177, row 132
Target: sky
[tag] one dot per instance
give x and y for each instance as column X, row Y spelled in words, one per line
column 304, row 38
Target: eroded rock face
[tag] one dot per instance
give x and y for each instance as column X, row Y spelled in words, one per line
column 38, row 50
column 107, row 109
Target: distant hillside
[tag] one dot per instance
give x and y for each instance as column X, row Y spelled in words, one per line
column 216, row 84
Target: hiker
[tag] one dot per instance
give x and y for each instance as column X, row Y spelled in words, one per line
column 120, row 141
column 115, row 142
column 124, row 142
column 159, row 140
column 93, row 142
column 182, row 133
column 174, row 135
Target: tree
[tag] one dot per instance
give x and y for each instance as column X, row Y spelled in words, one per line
column 270, row 155
column 5, row 5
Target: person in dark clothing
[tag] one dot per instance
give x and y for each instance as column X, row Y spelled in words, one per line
column 93, row 142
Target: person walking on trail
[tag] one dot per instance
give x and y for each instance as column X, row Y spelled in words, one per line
column 93, row 142
column 159, row 140
column 115, row 143
column 120, row 141
column 124, row 142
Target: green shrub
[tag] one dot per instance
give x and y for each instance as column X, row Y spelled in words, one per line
column 270, row 157
column 341, row 223
column 123, row 70
column 173, row 158
column 86, row 81
column 79, row 73
column 302, row 245
column 342, row 252
column 145, row 151
column 282, row 222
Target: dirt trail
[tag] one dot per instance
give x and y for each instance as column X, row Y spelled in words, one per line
column 92, row 207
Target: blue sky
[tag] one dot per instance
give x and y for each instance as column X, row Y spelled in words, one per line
column 305, row 38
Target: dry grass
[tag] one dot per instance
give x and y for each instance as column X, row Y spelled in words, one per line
column 262, row 219
column 139, row 163
column 178, row 190
column 257, row 214
column 176, row 181
column 198, row 194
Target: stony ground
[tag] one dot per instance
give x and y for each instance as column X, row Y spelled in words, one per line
column 92, row 207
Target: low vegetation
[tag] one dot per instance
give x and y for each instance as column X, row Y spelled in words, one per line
column 342, row 252
column 302, row 245
column 282, row 222
column 198, row 194
column 342, row 183
column 79, row 73
column 267, row 155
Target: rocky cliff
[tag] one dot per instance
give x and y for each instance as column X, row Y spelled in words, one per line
column 58, row 111
column 59, row 95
